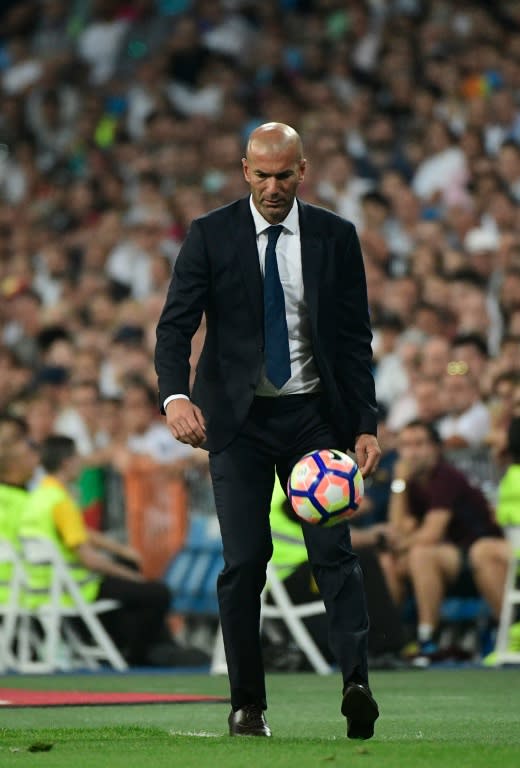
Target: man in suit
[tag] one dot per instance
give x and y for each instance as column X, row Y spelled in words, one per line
column 285, row 369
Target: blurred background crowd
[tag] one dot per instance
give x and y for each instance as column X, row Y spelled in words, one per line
column 120, row 121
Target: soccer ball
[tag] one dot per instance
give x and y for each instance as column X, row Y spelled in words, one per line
column 325, row 487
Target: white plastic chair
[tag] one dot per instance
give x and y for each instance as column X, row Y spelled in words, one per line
column 281, row 608
column 510, row 601
column 9, row 611
column 62, row 646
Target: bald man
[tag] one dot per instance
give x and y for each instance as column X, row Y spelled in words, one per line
column 285, row 369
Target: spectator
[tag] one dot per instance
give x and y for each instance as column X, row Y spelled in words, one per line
column 501, row 406
column 471, row 349
column 81, row 419
column 105, row 108
column 466, row 421
column 104, row 568
column 444, row 527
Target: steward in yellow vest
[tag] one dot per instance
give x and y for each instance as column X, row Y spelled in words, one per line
column 102, row 567
column 51, row 513
column 508, row 500
column 12, row 501
column 15, row 470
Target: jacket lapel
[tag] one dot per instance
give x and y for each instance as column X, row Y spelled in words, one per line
column 247, row 258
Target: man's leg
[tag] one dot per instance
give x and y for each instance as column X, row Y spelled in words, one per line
column 489, row 559
column 340, row 581
column 432, row 568
column 243, row 479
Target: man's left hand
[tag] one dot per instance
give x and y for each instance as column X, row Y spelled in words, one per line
column 368, row 453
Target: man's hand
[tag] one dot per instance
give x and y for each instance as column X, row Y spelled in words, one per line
column 368, row 453
column 186, row 422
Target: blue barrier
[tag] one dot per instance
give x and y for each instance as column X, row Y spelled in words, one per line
column 192, row 575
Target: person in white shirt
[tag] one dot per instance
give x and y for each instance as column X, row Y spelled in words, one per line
column 467, row 421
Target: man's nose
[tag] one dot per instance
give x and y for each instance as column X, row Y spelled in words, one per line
column 271, row 185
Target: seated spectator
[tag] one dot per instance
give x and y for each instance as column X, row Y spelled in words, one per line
column 435, row 356
column 501, row 408
column 471, row 348
column 445, row 531
column 17, row 461
column 80, row 419
column 466, row 421
column 103, row 567
column 423, row 401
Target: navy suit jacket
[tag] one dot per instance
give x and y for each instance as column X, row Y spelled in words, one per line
column 218, row 272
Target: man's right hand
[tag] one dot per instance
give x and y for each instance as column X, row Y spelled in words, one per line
column 186, row 422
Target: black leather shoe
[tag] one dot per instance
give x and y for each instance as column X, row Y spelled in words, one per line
column 248, row 721
column 361, row 711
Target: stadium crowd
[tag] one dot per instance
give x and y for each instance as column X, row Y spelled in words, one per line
column 120, row 121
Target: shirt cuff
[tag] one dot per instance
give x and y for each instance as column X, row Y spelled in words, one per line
column 174, row 397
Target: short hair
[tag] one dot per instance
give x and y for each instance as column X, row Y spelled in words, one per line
column 429, row 428
column 55, row 450
column 512, row 377
column 469, row 277
column 472, row 339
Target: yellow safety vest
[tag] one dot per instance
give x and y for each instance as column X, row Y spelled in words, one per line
column 289, row 549
column 12, row 501
column 508, row 501
column 38, row 521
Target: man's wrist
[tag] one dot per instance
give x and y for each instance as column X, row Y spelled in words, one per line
column 174, row 397
column 398, row 485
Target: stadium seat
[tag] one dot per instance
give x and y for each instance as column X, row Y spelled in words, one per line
column 510, row 602
column 284, row 609
column 192, row 574
column 51, row 636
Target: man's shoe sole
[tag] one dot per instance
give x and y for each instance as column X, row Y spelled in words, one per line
column 361, row 712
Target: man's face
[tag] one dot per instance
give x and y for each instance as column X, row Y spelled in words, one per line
column 417, row 449
column 459, row 393
column 273, row 179
column 23, row 460
column 137, row 410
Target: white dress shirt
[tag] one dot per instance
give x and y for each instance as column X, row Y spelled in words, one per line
column 304, row 375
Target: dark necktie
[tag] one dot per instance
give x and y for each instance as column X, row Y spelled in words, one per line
column 276, row 336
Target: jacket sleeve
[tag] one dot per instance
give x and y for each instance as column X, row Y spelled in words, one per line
column 355, row 376
column 185, row 303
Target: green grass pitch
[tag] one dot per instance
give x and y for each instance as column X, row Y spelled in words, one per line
column 465, row 718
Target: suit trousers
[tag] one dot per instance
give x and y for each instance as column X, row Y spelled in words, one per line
column 277, row 433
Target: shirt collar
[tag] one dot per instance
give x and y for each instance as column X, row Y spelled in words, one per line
column 290, row 223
